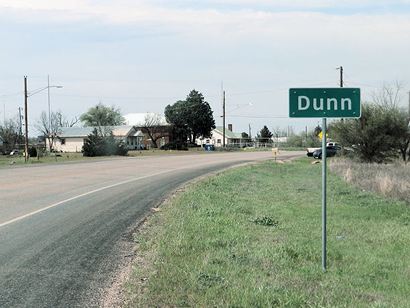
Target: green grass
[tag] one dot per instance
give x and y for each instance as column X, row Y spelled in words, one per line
column 251, row 237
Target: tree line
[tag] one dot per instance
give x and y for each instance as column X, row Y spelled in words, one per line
column 379, row 135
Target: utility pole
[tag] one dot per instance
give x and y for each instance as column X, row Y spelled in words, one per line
column 25, row 120
column 49, row 106
column 306, row 134
column 20, row 124
column 223, row 117
column 250, row 131
column 409, row 104
column 341, row 82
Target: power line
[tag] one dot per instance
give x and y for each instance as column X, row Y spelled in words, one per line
column 12, row 94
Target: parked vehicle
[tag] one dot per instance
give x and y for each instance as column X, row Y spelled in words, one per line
column 330, row 151
column 14, row 153
column 310, row 151
column 209, row 147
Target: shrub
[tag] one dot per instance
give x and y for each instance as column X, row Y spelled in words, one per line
column 97, row 145
column 376, row 136
column 175, row 145
column 32, row 152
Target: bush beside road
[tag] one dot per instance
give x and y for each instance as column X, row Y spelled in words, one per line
column 251, row 237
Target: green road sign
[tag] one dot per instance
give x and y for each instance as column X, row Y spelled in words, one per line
column 324, row 103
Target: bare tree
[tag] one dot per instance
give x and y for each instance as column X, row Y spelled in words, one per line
column 389, row 98
column 64, row 122
column 51, row 127
column 48, row 127
column 10, row 134
column 389, row 95
column 151, row 125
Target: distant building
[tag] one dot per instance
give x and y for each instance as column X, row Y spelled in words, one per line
column 71, row 139
column 232, row 139
column 162, row 132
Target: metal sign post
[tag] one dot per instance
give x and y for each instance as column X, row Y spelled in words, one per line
column 324, row 103
column 324, row 172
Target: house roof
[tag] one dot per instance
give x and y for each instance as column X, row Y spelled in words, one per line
column 228, row 133
column 138, row 133
column 72, row 132
column 75, row 131
column 121, row 130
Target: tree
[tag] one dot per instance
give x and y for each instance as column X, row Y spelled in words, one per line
column 50, row 127
column 176, row 114
column 191, row 118
column 102, row 116
column 265, row 134
column 200, row 120
column 10, row 133
column 377, row 135
column 382, row 131
column 64, row 122
column 246, row 137
column 151, row 125
column 94, row 145
column 389, row 95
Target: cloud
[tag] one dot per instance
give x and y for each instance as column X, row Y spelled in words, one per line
column 242, row 22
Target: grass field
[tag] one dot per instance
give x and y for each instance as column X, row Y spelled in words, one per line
column 251, row 237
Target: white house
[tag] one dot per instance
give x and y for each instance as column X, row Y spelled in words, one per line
column 71, row 139
column 232, row 139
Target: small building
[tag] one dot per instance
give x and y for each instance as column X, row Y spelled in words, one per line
column 71, row 139
column 154, row 127
column 232, row 139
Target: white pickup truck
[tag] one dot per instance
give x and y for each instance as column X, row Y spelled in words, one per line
column 309, row 151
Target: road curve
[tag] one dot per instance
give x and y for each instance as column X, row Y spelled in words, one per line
column 62, row 226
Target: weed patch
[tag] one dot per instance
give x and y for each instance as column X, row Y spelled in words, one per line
column 266, row 221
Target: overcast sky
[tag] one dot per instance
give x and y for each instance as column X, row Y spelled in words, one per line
column 143, row 55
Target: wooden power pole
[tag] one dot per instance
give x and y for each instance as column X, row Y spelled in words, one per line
column 25, row 120
column 223, row 118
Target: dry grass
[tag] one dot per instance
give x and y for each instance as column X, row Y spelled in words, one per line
column 390, row 180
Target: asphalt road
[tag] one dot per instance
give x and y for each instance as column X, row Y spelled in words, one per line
column 63, row 227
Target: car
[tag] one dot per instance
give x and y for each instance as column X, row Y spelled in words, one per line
column 330, row 151
column 14, row 153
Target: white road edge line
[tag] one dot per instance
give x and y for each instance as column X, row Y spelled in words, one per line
column 82, row 195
